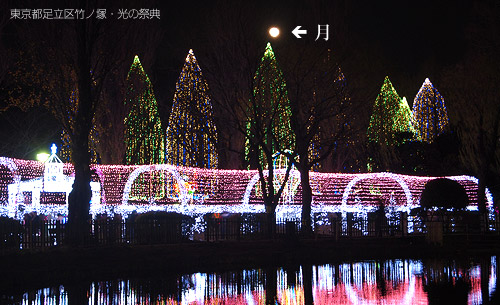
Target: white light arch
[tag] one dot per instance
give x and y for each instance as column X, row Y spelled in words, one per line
column 149, row 168
column 248, row 191
column 489, row 196
column 395, row 177
column 12, row 167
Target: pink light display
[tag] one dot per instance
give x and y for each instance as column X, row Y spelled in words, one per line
column 197, row 191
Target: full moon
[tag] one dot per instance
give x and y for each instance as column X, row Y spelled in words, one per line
column 274, row 32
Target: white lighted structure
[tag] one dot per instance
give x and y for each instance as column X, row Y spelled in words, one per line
column 198, row 191
column 53, row 181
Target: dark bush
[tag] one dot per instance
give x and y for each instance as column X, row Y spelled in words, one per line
column 10, row 232
column 444, row 193
column 162, row 227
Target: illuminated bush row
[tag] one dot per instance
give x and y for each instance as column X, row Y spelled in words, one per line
column 185, row 186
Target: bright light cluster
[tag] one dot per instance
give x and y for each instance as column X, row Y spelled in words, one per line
column 404, row 121
column 191, row 133
column 430, row 112
column 390, row 115
column 144, row 139
column 213, row 191
column 268, row 114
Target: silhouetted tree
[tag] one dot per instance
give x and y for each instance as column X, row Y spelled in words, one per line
column 50, row 71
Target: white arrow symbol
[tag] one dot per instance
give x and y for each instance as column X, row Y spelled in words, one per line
column 297, row 32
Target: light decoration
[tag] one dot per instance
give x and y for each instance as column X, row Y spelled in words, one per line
column 143, row 132
column 191, row 133
column 9, row 194
column 369, row 282
column 430, row 113
column 42, row 157
column 383, row 114
column 390, row 115
column 29, row 185
column 280, row 165
column 404, row 121
column 53, row 181
column 151, row 168
column 271, row 108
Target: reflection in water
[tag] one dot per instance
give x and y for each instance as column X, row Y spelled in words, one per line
column 368, row 282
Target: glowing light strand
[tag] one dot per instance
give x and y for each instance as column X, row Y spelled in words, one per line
column 272, row 109
column 430, row 112
column 233, row 191
column 382, row 126
column 143, row 132
column 191, row 133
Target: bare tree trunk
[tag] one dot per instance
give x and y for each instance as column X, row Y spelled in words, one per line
column 306, row 200
column 271, row 219
column 79, row 198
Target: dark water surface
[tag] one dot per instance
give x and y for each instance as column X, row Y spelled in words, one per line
column 404, row 281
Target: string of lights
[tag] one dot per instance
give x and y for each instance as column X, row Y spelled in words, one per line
column 404, row 121
column 429, row 112
column 391, row 115
column 270, row 107
column 234, row 190
column 143, row 133
column 191, row 132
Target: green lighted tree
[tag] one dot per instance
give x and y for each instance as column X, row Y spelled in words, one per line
column 267, row 131
column 391, row 130
column 269, row 115
column 404, row 122
column 191, row 133
column 430, row 113
column 143, row 133
column 387, row 106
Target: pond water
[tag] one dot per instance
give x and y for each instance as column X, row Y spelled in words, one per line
column 399, row 281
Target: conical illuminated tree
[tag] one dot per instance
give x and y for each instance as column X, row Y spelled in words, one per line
column 143, row 133
column 269, row 113
column 429, row 112
column 387, row 106
column 404, row 122
column 191, row 132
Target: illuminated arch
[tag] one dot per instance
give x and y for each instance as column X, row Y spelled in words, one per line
column 156, row 167
column 255, row 178
column 489, row 196
column 12, row 167
column 395, row 177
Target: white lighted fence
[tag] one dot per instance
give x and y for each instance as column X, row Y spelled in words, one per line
column 32, row 186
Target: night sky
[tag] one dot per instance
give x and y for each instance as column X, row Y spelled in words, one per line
column 410, row 40
column 407, row 40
